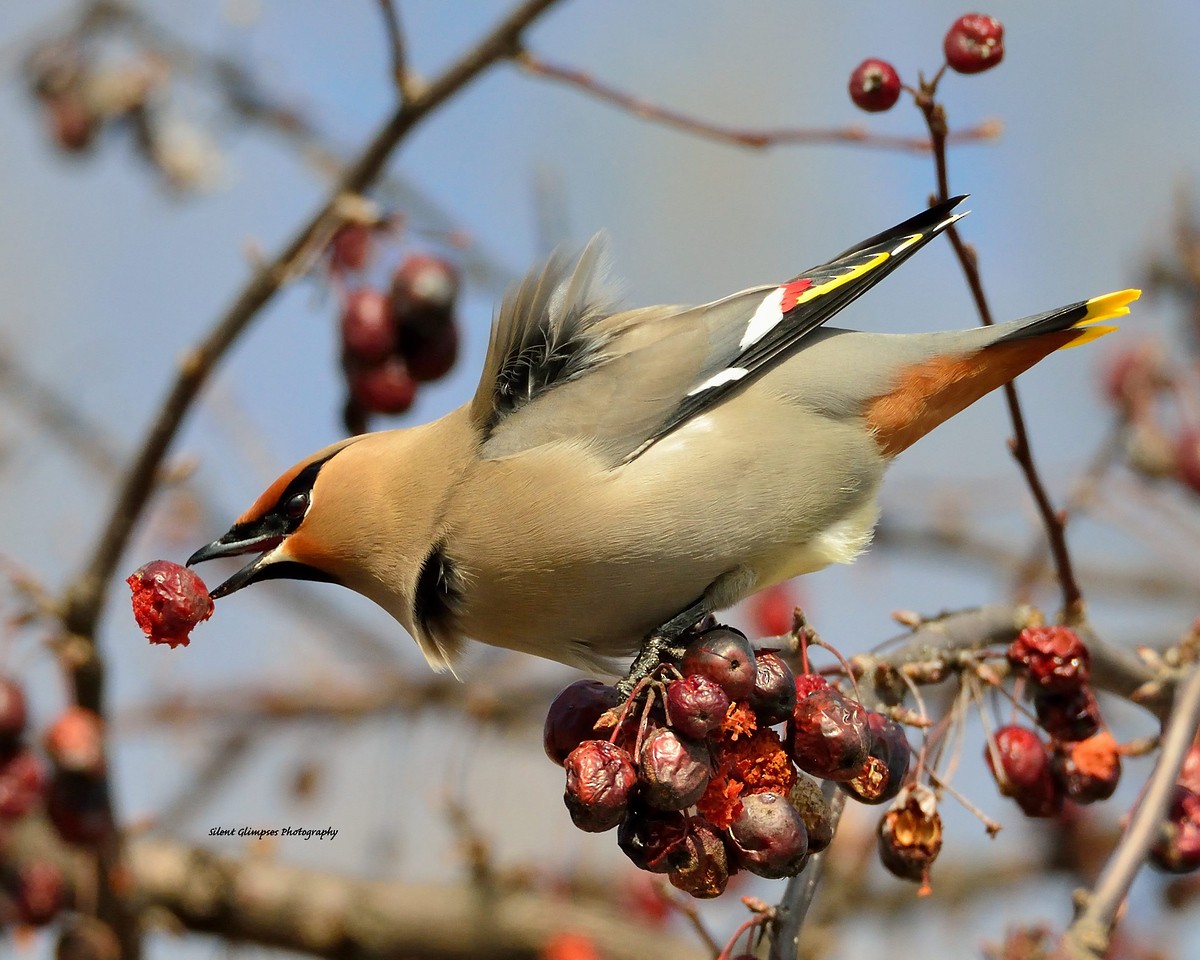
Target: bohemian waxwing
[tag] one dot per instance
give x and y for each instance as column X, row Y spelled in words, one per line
column 619, row 474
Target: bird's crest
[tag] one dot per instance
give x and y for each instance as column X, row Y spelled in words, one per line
column 544, row 334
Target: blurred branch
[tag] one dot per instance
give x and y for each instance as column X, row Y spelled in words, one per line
column 1088, row 936
column 405, row 81
column 326, row 915
column 755, row 139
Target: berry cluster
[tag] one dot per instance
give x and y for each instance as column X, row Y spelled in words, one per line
column 168, row 601
column 72, row 795
column 694, row 774
column 1082, row 762
column 1141, row 383
column 393, row 341
column 973, row 43
column 82, row 91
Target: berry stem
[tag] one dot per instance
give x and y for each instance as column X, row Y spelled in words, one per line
column 1054, row 523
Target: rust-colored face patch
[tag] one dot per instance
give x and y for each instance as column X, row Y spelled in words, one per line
column 930, row 393
column 269, row 498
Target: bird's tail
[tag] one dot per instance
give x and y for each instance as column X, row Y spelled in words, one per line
column 1082, row 317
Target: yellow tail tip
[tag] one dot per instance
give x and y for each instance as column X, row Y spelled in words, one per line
column 1107, row 307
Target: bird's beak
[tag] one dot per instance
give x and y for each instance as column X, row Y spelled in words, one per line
column 233, row 544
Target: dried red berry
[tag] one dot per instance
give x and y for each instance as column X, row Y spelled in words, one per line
column 1187, row 458
column 654, row 839
column 12, row 712
column 350, row 248
column 1177, row 849
column 773, row 610
column 423, row 283
column 910, row 835
column 1089, row 771
column 432, row 358
column 769, row 836
column 41, row 892
column 366, row 324
column 22, row 783
column 382, row 388
column 886, row 766
column 696, row 705
column 773, row 698
column 73, row 123
column 1189, row 773
column 724, row 656
column 1055, row 659
column 974, row 43
column 77, row 805
column 810, row 803
column 568, row 945
column 572, row 716
column 874, row 86
column 829, row 735
column 707, row 869
column 807, row 683
column 1068, row 716
column 600, row 776
column 674, row 772
column 1021, row 765
column 75, row 742
column 168, row 601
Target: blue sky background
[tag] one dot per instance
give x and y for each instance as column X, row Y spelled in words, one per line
column 106, row 280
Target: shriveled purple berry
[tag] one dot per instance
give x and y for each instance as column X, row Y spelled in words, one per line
column 600, row 776
column 654, row 839
column 1090, row 770
column 769, row 836
column 1177, row 849
column 724, row 655
column 1068, row 716
column 830, row 736
column 707, row 869
column 774, row 695
column 572, row 716
column 808, row 800
column 674, row 771
column 697, row 705
column 886, row 765
column 1021, row 765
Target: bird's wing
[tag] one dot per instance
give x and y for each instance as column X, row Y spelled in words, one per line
column 561, row 368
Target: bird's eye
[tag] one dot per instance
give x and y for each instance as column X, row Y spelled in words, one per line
column 296, row 506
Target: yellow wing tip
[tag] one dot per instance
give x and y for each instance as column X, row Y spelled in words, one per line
column 1107, row 307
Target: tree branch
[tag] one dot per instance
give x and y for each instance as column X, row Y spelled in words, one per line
column 327, row 915
column 755, row 139
column 1088, row 936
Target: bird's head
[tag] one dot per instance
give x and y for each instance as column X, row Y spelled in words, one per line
column 365, row 513
column 281, row 526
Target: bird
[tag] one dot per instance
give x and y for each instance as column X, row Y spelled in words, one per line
column 619, row 475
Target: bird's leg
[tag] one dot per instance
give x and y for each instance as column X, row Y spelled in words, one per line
column 663, row 644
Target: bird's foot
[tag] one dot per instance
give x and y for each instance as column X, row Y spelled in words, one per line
column 666, row 645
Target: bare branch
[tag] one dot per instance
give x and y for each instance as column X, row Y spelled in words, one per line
column 327, row 915
column 1088, row 936
column 755, row 139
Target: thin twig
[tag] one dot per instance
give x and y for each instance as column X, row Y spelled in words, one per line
column 400, row 74
column 1054, row 522
column 1088, row 936
column 755, row 139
